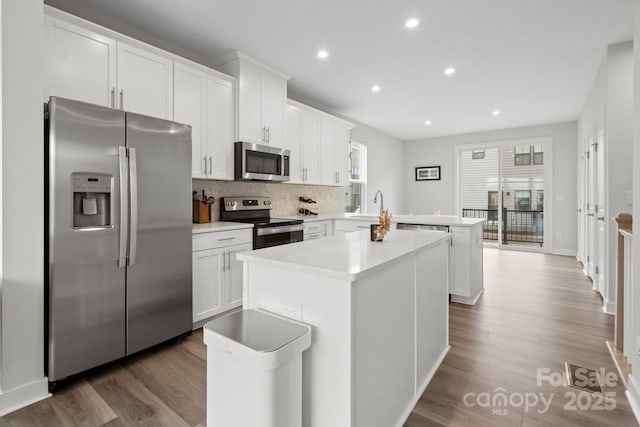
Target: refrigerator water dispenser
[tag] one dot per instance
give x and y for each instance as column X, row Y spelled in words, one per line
column 91, row 200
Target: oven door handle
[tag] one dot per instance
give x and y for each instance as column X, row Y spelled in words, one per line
column 278, row 230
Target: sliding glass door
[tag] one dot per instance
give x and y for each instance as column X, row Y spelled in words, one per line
column 504, row 183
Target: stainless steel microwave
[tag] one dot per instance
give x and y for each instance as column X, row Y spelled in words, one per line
column 261, row 162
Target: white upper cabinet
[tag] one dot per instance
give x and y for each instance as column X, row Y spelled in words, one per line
column 84, row 65
column 303, row 140
column 334, row 159
column 204, row 100
column 261, row 100
column 311, row 147
column 293, row 142
column 79, row 63
column 145, row 82
column 190, row 107
column 341, row 135
column 322, row 144
column 220, row 108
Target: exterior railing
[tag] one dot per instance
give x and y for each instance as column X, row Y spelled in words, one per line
column 517, row 226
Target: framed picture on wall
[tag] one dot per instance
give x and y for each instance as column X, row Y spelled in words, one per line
column 428, row 173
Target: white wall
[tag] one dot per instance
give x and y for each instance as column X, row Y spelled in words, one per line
column 611, row 99
column 429, row 196
column 384, row 168
column 22, row 289
column 633, row 392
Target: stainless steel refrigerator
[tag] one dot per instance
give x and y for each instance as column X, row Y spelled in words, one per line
column 118, row 222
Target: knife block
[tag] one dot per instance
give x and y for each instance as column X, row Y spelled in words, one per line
column 201, row 212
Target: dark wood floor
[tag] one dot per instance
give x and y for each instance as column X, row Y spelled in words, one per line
column 538, row 311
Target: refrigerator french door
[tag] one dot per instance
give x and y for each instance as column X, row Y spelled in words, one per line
column 119, row 234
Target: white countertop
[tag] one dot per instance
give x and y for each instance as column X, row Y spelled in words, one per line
column 410, row 219
column 219, row 226
column 347, row 256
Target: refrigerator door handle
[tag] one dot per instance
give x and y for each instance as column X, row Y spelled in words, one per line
column 133, row 179
column 124, row 205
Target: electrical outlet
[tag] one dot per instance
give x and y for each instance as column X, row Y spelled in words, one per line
column 292, row 309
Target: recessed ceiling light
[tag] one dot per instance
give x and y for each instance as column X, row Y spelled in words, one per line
column 322, row 54
column 375, row 88
column 428, row 123
column 496, row 112
column 449, row 71
column 412, row 23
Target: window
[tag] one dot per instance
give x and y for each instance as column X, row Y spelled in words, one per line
column 538, row 155
column 526, row 155
column 540, row 203
column 355, row 192
column 523, row 200
column 522, row 155
column 477, row 154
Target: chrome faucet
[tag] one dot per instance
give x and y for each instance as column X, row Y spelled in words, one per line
column 375, row 200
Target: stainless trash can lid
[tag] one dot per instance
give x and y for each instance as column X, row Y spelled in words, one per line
column 257, row 330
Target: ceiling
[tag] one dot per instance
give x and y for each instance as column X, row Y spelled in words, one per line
column 534, row 61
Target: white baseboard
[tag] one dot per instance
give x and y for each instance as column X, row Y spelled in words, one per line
column 464, row 300
column 25, row 395
column 608, row 307
column 633, row 396
column 564, row 252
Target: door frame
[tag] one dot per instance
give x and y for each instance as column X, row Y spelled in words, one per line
column 547, row 143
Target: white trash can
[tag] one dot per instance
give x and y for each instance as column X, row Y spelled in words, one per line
column 254, row 370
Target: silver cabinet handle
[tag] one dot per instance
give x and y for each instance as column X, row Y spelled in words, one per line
column 205, row 164
column 133, row 182
column 228, row 260
column 264, row 133
column 600, row 218
column 589, row 214
column 124, row 205
column 226, row 239
column 113, row 97
column 210, row 165
column 122, row 99
column 268, row 135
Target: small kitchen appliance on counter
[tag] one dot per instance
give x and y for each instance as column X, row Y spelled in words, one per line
column 267, row 231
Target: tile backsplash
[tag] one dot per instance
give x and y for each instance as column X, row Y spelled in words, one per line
column 285, row 197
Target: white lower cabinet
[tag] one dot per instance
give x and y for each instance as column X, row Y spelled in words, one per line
column 217, row 274
column 318, row 229
column 465, row 267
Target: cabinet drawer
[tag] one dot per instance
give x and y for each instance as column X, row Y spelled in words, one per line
column 219, row 239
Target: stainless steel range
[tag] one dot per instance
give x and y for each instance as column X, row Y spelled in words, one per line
column 267, row 231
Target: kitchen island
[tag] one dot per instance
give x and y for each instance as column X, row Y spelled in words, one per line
column 379, row 314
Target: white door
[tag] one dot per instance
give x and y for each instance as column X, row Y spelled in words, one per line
column 591, row 220
column 582, row 204
column 79, row 64
column 208, row 276
column 293, row 142
column 274, row 100
column 601, row 220
column 190, row 106
column 219, row 121
column 145, row 82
